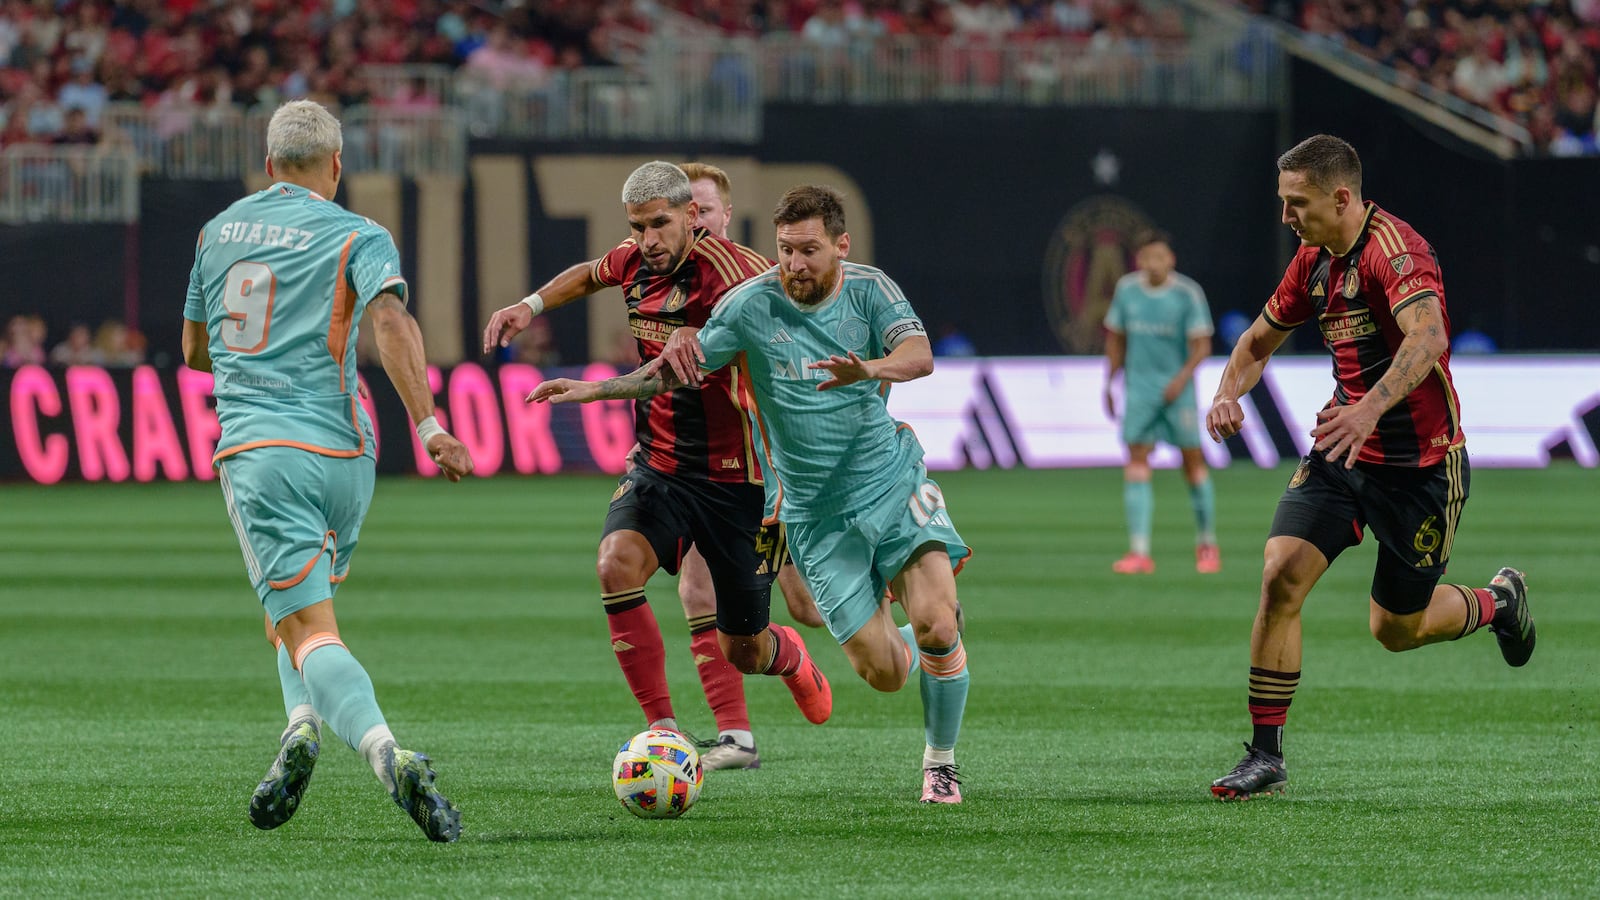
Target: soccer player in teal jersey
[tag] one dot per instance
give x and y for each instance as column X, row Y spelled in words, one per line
column 1157, row 331
column 280, row 282
column 821, row 339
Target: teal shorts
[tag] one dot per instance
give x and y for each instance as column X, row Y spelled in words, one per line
column 1147, row 420
column 298, row 516
column 849, row 560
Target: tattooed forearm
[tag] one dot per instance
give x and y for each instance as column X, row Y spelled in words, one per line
column 640, row 384
column 1424, row 343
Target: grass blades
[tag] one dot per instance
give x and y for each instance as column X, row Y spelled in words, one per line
column 141, row 706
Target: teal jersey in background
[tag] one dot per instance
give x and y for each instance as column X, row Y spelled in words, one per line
column 281, row 279
column 834, row 451
column 1158, row 323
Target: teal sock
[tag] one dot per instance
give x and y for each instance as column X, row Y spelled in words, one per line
column 1204, row 499
column 909, row 637
column 1138, row 501
column 341, row 692
column 294, row 687
column 944, row 693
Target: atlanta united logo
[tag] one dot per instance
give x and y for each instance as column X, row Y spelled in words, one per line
column 1090, row 250
column 675, row 300
column 1301, row 473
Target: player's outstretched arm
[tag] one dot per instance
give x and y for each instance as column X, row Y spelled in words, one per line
column 400, row 347
column 1244, row 367
column 196, row 346
column 509, row 321
column 1341, row 430
column 647, row 381
column 912, row 359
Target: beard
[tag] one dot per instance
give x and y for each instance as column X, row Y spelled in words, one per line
column 811, row 290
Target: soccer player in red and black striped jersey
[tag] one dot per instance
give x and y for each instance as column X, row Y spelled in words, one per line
column 696, row 479
column 1389, row 453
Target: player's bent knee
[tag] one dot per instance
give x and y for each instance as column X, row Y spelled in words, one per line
column 880, row 677
column 941, row 632
column 622, row 565
column 744, row 652
column 1396, row 634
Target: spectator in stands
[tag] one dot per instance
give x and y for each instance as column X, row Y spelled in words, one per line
column 84, row 93
column 119, row 345
column 24, row 343
column 78, row 349
column 76, row 132
column 536, row 346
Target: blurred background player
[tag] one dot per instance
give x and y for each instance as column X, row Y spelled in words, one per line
column 861, row 509
column 1158, row 330
column 1389, row 451
column 695, row 479
column 280, row 282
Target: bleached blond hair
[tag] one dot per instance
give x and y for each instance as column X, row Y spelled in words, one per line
column 303, row 133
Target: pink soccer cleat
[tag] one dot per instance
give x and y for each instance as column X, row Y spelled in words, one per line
column 1134, row 564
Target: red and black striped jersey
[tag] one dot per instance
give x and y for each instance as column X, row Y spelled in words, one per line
column 701, row 433
column 1354, row 298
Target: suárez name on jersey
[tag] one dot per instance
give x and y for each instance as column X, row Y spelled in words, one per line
column 265, row 235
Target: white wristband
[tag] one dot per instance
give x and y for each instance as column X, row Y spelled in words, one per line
column 534, row 302
column 427, row 428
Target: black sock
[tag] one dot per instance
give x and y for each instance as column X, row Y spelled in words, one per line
column 1269, row 738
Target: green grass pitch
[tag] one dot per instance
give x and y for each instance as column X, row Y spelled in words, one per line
column 140, row 707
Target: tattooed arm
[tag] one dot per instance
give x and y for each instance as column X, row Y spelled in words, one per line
column 1341, row 430
column 647, row 381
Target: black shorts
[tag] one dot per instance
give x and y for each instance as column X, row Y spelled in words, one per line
column 1413, row 513
column 723, row 521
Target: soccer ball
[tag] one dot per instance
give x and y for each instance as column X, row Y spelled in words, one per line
column 657, row 774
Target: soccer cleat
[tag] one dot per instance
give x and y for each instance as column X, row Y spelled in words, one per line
column 414, row 792
column 1512, row 624
column 940, row 784
column 810, row 687
column 1259, row 774
column 1134, row 564
column 278, row 795
column 727, row 754
column 1207, row 559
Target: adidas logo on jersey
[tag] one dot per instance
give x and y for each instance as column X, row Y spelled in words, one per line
column 1318, row 291
column 782, row 337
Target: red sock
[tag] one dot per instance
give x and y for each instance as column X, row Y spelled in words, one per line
column 1485, row 605
column 723, row 683
column 636, row 639
column 786, row 656
column 1480, row 604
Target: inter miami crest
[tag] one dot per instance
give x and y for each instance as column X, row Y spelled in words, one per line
column 1090, row 250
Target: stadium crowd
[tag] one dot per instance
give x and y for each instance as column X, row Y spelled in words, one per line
column 1531, row 61
column 64, row 55
column 113, row 344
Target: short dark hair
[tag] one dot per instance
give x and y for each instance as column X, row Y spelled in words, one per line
column 812, row 201
column 1148, row 236
column 1326, row 161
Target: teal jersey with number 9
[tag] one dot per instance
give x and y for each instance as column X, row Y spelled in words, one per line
column 281, row 279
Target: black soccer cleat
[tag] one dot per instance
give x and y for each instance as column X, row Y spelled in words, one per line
column 1259, row 774
column 1513, row 623
column 278, row 796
